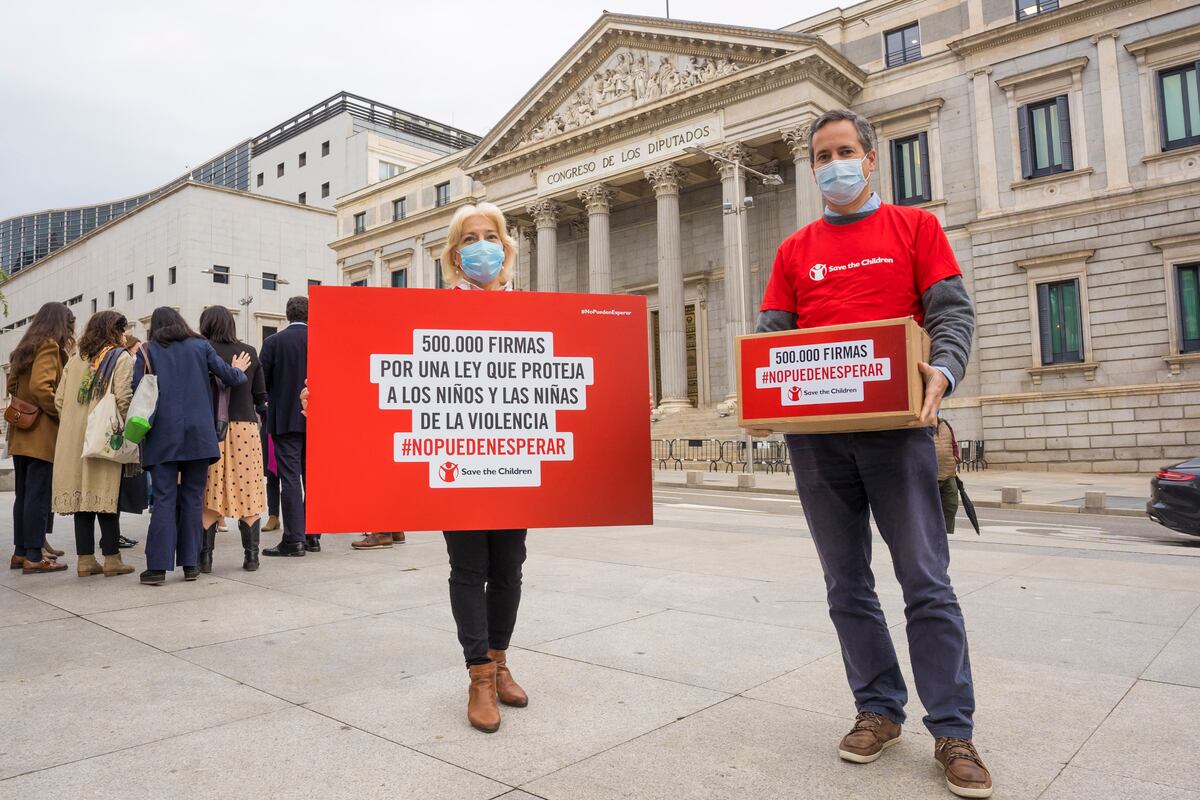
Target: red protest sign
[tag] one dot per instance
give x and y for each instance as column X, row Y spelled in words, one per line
column 854, row 377
column 457, row 410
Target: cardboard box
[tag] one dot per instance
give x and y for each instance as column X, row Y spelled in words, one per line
column 861, row 377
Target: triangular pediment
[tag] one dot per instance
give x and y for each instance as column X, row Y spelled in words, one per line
column 623, row 64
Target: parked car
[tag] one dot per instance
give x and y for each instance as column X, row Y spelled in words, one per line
column 1175, row 497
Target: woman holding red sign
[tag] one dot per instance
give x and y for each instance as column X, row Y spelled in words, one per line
column 485, row 565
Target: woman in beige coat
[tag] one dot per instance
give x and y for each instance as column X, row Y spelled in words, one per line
column 89, row 488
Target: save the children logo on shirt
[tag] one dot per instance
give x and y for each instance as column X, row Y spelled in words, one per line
column 823, row 373
column 483, row 404
column 818, row 272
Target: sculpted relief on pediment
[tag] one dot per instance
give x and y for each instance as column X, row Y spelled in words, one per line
column 629, row 78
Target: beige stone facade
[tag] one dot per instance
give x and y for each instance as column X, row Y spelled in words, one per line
column 594, row 166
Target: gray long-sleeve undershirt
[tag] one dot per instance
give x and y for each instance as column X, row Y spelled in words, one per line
column 949, row 318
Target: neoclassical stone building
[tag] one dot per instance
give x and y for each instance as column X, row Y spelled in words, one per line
column 1059, row 147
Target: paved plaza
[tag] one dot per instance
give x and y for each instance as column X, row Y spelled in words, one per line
column 690, row 659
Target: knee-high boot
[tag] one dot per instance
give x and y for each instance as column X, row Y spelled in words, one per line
column 250, row 536
column 206, row 548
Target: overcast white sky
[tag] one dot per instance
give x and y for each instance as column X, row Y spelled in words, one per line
column 105, row 100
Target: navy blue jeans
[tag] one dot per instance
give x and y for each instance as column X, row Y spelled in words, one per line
column 843, row 478
column 177, row 519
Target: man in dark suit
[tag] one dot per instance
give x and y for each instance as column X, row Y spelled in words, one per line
column 284, row 360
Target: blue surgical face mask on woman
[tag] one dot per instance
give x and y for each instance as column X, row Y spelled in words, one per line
column 482, row 260
column 842, row 180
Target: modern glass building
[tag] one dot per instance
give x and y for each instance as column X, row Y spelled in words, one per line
column 30, row 237
column 25, row 239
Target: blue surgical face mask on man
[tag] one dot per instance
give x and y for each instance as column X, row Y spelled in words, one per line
column 482, row 260
column 841, row 180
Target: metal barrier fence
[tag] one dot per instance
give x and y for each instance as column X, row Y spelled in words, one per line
column 770, row 455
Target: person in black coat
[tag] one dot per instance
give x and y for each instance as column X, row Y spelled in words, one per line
column 182, row 441
column 284, row 362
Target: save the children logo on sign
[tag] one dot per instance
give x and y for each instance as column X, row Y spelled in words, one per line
column 486, row 400
column 441, row 410
column 823, row 373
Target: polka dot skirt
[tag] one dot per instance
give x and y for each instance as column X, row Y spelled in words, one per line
column 235, row 483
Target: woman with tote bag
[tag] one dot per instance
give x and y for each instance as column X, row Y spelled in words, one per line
column 88, row 488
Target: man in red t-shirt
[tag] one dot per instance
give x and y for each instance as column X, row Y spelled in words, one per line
column 865, row 260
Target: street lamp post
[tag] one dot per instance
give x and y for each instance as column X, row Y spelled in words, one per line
column 248, row 299
column 739, row 206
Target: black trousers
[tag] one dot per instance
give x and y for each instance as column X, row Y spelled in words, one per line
column 85, row 533
column 290, row 458
column 485, row 588
column 31, row 507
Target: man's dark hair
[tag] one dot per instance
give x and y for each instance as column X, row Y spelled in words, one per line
column 217, row 325
column 297, row 309
column 168, row 325
column 866, row 134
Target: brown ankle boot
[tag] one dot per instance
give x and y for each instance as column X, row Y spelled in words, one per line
column 872, row 734
column 87, row 565
column 482, row 711
column 507, row 689
column 113, row 565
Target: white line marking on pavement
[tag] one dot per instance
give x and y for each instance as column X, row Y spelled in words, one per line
column 712, row 508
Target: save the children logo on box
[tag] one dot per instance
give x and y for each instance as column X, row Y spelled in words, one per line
column 483, row 404
column 823, row 373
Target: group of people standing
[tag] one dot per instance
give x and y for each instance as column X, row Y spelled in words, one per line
column 202, row 460
column 843, row 479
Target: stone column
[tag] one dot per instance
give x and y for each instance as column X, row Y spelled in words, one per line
column 545, row 215
column 672, row 342
column 530, row 236
column 808, row 197
column 597, row 199
column 736, row 240
column 1116, row 160
column 985, row 142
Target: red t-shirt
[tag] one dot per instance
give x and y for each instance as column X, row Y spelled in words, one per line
column 876, row 268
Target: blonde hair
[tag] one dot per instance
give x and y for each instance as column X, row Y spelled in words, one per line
column 451, row 269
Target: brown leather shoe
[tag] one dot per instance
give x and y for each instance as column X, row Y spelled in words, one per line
column 482, row 711
column 871, row 735
column 272, row 524
column 398, row 538
column 50, row 552
column 373, row 541
column 16, row 562
column 966, row 776
column 45, row 565
column 507, row 689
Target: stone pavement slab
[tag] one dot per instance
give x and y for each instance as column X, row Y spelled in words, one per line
column 18, row 609
column 714, row 652
column 320, row 661
column 236, row 615
column 64, row 644
column 1096, row 600
column 575, row 710
column 1147, row 737
column 1060, row 640
column 1179, row 661
column 62, row 717
column 1082, row 784
column 291, row 754
column 749, row 749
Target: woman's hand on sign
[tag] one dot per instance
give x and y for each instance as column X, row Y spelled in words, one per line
column 304, row 399
column 935, row 388
column 759, row 433
column 241, row 361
